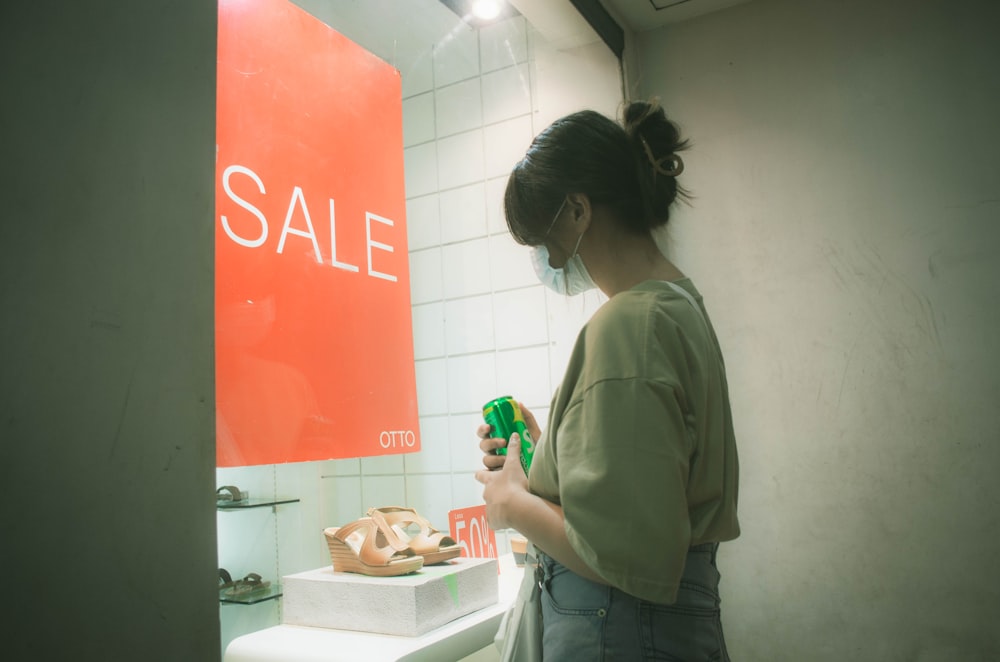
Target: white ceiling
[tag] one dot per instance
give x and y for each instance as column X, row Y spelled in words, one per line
column 564, row 27
column 401, row 31
column 642, row 15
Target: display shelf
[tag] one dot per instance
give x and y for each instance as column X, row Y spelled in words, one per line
column 258, row 595
column 272, row 592
column 253, row 503
column 452, row 641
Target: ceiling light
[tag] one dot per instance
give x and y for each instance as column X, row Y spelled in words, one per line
column 486, row 10
column 479, row 13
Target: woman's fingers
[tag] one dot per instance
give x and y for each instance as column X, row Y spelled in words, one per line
column 491, row 460
column 491, row 444
column 494, row 462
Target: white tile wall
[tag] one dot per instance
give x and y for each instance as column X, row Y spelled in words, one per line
column 417, row 71
column 466, row 268
column 425, row 276
column 432, row 387
column 423, row 223
column 516, row 321
column 459, row 107
column 495, row 222
column 418, row 119
column 350, row 467
column 566, row 316
column 295, row 523
column 246, row 541
column 381, row 465
column 503, row 44
column 506, row 94
column 523, row 374
column 465, row 453
column 466, row 491
column 510, row 263
column 434, row 455
column 460, row 159
column 378, row 491
column 469, row 324
column 470, row 377
column 506, row 144
column 341, row 500
column 457, row 56
column 463, row 213
column 430, row 495
column 428, row 330
column 420, row 163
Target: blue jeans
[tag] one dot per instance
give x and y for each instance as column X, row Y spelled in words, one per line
column 584, row 620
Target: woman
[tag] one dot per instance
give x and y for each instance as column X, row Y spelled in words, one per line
column 635, row 482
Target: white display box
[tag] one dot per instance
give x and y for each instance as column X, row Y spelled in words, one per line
column 409, row 605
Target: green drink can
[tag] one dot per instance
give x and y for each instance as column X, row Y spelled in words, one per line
column 505, row 417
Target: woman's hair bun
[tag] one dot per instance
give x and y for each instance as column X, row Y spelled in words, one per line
column 656, row 143
column 647, row 119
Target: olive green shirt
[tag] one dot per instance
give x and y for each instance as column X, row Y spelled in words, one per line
column 639, row 449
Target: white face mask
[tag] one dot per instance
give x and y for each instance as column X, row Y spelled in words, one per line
column 572, row 279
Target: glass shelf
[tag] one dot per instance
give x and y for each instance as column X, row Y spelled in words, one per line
column 252, row 503
column 252, row 597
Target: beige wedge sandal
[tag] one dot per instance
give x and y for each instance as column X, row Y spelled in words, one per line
column 434, row 546
column 360, row 547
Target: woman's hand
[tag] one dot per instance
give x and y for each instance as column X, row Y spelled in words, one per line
column 504, row 477
column 489, row 445
column 503, row 485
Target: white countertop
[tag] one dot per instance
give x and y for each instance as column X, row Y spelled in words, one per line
column 452, row 641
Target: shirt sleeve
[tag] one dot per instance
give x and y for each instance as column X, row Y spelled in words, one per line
column 623, row 465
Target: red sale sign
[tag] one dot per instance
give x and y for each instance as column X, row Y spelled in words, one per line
column 470, row 529
column 314, row 348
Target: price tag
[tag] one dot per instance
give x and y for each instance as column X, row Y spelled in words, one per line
column 469, row 527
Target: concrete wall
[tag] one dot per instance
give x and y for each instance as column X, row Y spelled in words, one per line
column 107, row 454
column 845, row 233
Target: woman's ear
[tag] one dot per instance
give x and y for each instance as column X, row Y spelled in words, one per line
column 580, row 210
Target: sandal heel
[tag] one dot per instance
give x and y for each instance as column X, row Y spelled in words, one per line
column 343, row 557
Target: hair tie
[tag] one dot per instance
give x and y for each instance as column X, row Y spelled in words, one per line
column 658, row 163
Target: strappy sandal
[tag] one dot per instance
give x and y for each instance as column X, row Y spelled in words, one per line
column 430, row 543
column 362, row 548
column 252, row 583
column 225, row 579
column 230, row 494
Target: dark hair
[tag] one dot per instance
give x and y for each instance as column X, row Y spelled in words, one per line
column 619, row 166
